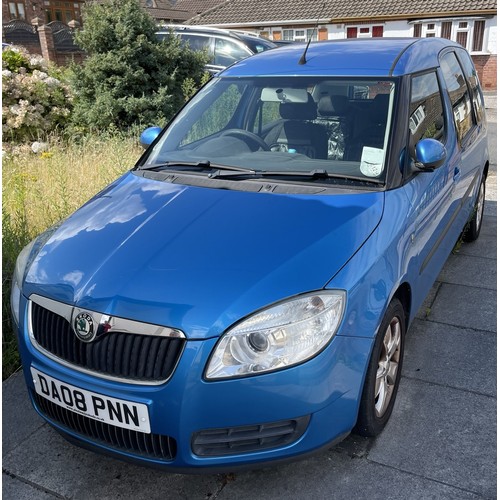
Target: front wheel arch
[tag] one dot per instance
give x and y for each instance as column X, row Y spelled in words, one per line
column 383, row 373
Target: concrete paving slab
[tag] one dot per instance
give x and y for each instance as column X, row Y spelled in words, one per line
column 485, row 246
column 444, row 434
column 426, row 308
column 72, row 472
column 469, row 270
column 466, row 307
column 489, row 227
column 14, row 489
column 490, row 206
column 333, row 476
column 16, row 408
column 450, row 356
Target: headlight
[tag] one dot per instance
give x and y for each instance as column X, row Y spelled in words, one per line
column 278, row 337
column 17, row 279
column 24, row 260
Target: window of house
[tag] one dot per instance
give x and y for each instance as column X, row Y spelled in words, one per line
column 63, row 11
column 477, row 44
column 301, row 35
column 426, row 110
column 16, row 10
column 364, row 31
column 459, row 95
column 430, row 30
column 463, row 33
column 469, row 34
column 446, row 29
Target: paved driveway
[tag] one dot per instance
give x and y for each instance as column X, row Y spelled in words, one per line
column 440, row 442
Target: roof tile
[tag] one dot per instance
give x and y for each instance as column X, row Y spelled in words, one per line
column 245, row 12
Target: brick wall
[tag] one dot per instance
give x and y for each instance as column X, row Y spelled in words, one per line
column 486, row 67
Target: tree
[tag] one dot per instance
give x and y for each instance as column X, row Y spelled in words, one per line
column 130, row 76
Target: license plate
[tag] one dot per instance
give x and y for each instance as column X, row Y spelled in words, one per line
column 113, row 411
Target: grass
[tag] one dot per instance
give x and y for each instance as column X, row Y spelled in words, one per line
column 39, row 190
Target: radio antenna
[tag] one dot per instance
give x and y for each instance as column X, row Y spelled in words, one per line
column 303, row 60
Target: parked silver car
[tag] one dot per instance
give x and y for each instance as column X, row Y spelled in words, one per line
column 224, row 47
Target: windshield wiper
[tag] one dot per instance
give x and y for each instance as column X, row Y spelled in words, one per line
column 169, row 164
column 312, row 174
column 202, row 165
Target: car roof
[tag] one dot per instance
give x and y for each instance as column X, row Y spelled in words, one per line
column 381, row 57
column 198, row 29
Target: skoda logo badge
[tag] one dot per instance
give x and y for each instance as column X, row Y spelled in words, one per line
column 84, row 327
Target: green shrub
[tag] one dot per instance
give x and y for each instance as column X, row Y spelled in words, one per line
column 36, row 99
column 130, row 76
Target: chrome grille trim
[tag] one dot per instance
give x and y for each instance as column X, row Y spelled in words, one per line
column 64, row 311
column 116, row 324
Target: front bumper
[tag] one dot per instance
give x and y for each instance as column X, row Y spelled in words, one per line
column 274, row 416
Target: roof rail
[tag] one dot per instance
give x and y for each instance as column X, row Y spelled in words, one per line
column 199, row 27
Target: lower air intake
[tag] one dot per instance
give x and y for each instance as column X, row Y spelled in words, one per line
column 154, row 446
column 247, row 439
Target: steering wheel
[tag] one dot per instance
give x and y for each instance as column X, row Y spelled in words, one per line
column 249, row 138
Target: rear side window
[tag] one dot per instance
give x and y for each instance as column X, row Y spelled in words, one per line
column 228, row 52
column 426, row 110
column 472, row 78
column 459, row 95
column 198, row 43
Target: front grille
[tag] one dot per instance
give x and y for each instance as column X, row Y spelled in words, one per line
column 143, row 358
column 247, row 439
column 145, row 445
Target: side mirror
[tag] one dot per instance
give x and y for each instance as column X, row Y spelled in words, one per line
column 431, row 154
column 148, row 136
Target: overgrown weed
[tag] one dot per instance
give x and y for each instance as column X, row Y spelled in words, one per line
column 38, row 190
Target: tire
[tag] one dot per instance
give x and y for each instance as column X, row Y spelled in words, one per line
column 473, row 227
column 384, row 373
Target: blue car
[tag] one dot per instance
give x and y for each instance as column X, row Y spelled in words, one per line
column 242, row 295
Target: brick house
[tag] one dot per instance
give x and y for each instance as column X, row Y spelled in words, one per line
column 472, row 23
column 169, row 11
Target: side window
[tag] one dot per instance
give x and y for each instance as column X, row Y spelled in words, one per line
column 216, row 116
column 426, row 110
column 459, row 95
column 472, row 78
column 269, row 113
column 199, row 42
column 228, row 52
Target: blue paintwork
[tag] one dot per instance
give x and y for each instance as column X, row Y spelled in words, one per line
column 110, row 248
column 430, row 153
column 353, row 57
column 200, row 259
column 148, row 136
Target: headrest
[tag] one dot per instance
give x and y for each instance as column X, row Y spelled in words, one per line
column 335, row 105
column 379, row 106
column 299, row 110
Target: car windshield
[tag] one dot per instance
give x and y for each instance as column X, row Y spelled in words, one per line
column 329, row 127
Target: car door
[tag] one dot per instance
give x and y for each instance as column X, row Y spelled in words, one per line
column 467, row 170
column 202, row 42
column 430, row 193
column 465, row 98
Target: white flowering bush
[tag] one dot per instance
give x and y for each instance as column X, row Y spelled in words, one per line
column 36, row 100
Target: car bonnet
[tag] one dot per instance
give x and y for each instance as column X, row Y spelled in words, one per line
column 197, row 258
